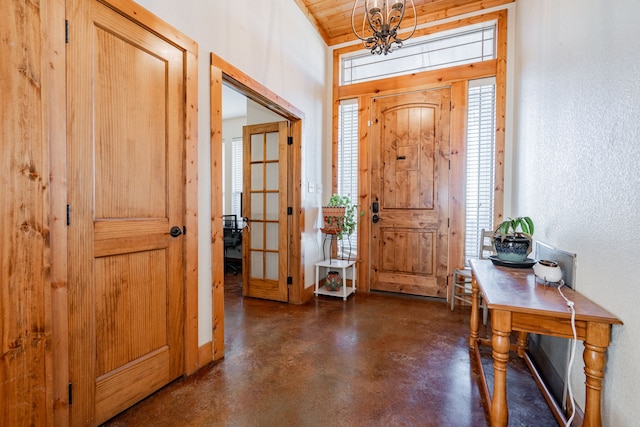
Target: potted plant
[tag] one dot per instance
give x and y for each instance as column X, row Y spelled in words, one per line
column 512, row 239
column 339, row 216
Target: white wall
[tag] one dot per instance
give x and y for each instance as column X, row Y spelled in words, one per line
column 577, row 151
column 272, row 42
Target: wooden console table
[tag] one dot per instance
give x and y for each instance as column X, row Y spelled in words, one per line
column 518, row 303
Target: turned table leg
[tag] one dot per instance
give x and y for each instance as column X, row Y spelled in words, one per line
column 474, row 322
column 595, row 345
column 522, row 343
column 501, row 325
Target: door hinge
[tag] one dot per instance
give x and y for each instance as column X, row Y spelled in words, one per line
column 289, row 280
column 66, row 31
column 448, row 222
column 184, row 230
column 289, row 210
column 68, row 215
column 70, row 393
column 449, row 164
column 289, row 140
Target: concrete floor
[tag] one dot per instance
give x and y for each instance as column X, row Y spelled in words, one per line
column 374, row 360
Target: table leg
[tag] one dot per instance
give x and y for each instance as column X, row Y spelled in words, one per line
column 501, row 326
column 595, row 345
column 522, row 343
column 474, row 322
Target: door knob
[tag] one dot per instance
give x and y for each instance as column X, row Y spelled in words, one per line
column 175, row 231
column 375, row 218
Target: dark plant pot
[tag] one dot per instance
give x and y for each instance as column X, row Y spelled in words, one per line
column 333, row 282
column 513, row 249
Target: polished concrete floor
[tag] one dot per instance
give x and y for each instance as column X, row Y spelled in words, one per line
column 374, row 360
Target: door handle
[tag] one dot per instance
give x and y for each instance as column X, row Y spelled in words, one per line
column 375, row 218
column 175, row 231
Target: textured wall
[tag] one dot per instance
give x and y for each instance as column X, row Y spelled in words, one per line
column 576, row 155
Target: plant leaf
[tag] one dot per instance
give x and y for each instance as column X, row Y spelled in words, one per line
column 529, row 223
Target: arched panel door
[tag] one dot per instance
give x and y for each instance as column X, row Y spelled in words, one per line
column 410, row 181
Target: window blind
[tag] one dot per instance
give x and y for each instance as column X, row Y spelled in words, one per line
column 348, row 164
column 480, row 162
column 236, row 177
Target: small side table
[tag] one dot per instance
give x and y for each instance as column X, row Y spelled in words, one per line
column 340, row 265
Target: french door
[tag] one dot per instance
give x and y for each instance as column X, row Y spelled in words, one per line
column 265, row 197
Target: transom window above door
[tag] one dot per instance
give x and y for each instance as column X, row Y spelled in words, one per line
column 465, row 45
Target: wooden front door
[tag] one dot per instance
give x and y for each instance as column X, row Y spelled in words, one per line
column 265, row 195
column 126, row 185
column 410, row 180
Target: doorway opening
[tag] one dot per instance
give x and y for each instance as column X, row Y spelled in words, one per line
column 238, row 112
column 267, row 106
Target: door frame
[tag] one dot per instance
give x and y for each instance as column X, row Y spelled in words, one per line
column 222, row 71
column 456, row 78
column 59, row 186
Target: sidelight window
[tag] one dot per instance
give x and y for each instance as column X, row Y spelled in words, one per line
column 481, row 146
column 348, row 164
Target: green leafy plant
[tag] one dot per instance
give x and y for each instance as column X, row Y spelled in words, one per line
column 344, row 225
column 521, row 226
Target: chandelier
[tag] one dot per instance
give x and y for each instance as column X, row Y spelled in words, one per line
column 380, row 24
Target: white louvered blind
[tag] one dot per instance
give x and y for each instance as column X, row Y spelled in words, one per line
column 480, row 162
column 348, row 164
column 236, row 177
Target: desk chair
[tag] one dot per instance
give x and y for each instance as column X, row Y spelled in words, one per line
column 232, row 238
column 461, row 288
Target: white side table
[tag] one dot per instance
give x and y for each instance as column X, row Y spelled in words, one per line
column 338, row 265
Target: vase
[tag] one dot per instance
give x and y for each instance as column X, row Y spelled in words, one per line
column 512, row 249
column 333, row 282
column 333, row 217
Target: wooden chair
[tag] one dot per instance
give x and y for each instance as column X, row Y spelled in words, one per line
column 461, row 287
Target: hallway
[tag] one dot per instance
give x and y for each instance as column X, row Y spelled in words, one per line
column 374, row 360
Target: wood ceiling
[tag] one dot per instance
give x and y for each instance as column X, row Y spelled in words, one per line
column 332, row 18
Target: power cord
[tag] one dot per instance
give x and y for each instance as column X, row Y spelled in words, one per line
column 570, row 304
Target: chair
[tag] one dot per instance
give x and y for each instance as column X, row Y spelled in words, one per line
column 232, row 238
column 461, row 289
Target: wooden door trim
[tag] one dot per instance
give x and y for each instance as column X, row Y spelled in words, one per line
column 58, row 414
column 222, row 71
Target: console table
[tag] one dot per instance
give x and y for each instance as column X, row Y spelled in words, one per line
column 518, row 303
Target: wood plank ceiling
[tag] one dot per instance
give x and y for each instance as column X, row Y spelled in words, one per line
column 332, row 18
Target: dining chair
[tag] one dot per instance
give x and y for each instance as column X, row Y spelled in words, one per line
column 461, row 287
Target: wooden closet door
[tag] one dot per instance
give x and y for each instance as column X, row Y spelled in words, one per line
column 126, row 192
